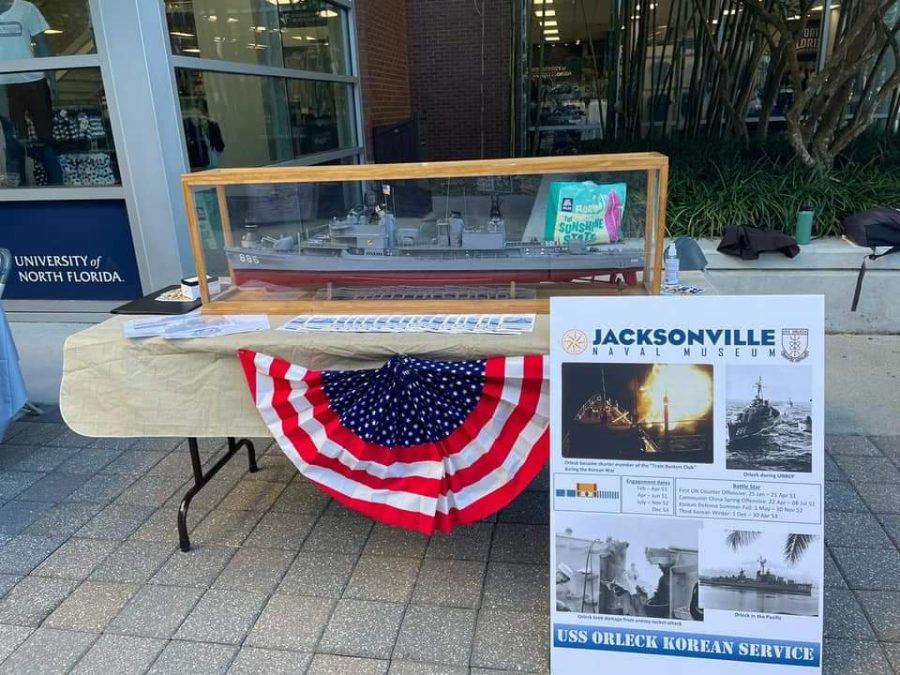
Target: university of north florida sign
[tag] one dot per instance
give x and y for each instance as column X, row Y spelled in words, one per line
column 69, row 250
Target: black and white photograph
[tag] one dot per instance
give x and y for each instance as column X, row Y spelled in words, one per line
column 636, row 411
column 769, row 417
column 628, row 567
column 770, row 572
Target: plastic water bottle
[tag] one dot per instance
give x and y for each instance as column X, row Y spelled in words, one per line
column 672, row 265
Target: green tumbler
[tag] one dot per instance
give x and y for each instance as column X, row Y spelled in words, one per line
column 804, row 225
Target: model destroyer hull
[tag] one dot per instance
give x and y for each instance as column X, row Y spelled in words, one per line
column 287, row 268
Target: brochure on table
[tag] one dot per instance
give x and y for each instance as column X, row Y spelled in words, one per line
column 687, row 484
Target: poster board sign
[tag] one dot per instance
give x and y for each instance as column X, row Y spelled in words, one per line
column 687, row 469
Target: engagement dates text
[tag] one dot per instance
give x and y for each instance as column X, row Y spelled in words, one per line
column 748, row 500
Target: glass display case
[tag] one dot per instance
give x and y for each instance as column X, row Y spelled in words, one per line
column 484, row 235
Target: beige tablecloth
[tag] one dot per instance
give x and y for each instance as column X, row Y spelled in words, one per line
column 112, row 386
column 154, row 387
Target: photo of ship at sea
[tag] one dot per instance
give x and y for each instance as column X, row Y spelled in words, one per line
column 627, row 567
column 770, row 572
column 769, row 418
column 636, row 411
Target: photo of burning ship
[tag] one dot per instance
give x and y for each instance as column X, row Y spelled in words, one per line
column 629, row 567
column 658, row 412
column 766, row 572
column 769, row 418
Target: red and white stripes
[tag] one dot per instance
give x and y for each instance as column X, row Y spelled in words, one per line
column 474, row 472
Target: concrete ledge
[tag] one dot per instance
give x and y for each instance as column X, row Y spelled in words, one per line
column 828, row 267
column 832, row 253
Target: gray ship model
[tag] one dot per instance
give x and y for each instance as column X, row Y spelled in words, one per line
column 757, row 419
column 764, row 582
column 370, row 246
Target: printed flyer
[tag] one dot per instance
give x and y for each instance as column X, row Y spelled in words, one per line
column 687, row 469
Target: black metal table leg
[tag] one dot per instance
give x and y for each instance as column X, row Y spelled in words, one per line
column 201, row 479
column 251, row 452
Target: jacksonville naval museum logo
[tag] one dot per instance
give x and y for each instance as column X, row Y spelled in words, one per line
column 574, row 341
column 794, row 344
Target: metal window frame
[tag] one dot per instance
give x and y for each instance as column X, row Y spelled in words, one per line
column 354, row 67
column 824, row 35
column 58, row 193
column 42, row 63
column 60, row 311
column 320, row 157
column 236, row 68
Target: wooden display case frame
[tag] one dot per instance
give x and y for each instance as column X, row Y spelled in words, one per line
column 238, row 301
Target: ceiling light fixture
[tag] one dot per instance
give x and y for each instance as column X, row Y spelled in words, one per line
column 53, row 31
column 327, row 13
column 179, row 34
column 545, row 12
column 549, row 23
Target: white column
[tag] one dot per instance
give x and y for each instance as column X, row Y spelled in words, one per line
column 132, row 38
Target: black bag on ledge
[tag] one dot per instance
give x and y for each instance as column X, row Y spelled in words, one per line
column 873, row 229
column 748, row 242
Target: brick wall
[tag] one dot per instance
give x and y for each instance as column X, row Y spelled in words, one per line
column 444, row 51
column 384, row 71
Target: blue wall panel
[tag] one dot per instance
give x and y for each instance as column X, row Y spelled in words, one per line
column 69, row 250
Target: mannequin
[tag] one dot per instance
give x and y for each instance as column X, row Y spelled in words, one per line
column 29, row 94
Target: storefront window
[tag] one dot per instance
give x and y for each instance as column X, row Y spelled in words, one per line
column 320, row 116
column 878, row 69
column 569, row 74
column 45, row 28
column 247, row 120
column 315, row 38
column 298, row 34
column 55, row 130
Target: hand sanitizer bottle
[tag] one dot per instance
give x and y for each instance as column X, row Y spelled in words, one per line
column 672, row 265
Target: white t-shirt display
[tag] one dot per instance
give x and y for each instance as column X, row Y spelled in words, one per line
column 21, row 22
